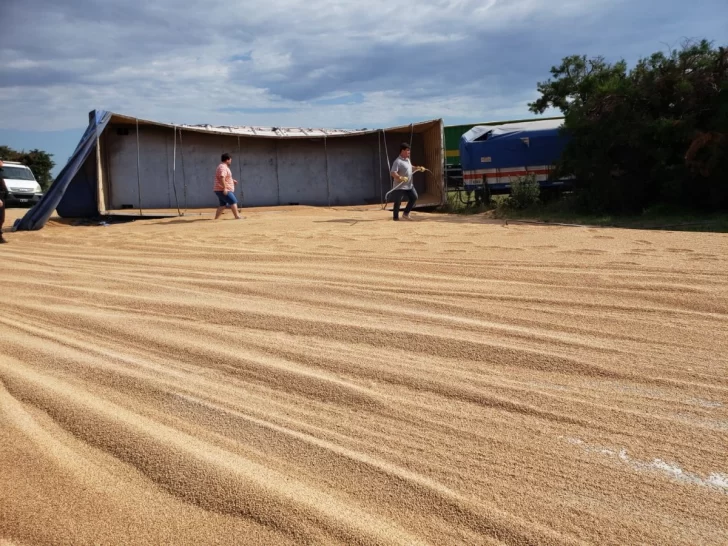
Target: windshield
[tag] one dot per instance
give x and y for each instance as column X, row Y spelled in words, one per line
column 16, row 173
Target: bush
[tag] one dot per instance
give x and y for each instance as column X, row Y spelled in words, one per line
column 655, row 134
column 525, row 192
column 467, row 202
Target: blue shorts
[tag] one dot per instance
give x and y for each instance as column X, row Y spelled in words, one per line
column 226, row 200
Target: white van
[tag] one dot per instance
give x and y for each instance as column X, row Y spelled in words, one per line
column 22, row 186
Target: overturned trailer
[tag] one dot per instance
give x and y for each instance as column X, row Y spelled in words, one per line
column 127, row 164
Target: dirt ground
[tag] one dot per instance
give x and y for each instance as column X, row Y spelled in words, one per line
column 320, row 376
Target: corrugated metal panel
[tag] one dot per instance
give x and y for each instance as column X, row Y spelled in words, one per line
column 269, row 132
column 274, row 132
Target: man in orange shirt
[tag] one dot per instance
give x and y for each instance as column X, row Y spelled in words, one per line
column 225, row 187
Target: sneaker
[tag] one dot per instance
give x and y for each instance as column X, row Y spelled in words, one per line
column 406, row 217
column 3, row 240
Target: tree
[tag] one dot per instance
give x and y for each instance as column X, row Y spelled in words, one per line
column 657, row 133
column 40, row 162
column 7, row 153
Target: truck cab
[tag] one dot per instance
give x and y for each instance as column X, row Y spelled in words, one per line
column 23, row 188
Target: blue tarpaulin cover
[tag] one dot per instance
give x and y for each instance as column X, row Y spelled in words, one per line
column 498, row 152
column 73, row 192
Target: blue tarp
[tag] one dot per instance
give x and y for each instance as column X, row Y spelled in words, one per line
column 529, row 145
column 73, row 193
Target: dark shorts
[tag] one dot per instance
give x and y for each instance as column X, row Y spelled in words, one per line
column 226, row 200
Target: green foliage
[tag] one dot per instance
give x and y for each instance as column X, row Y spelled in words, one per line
column 525, row 192
column 40, row 162
column 655, row 134
column 462, row 202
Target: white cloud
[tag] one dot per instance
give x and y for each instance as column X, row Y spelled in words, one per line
column 219, row 62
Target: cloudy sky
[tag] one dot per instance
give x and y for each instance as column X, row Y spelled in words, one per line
column 308, row 63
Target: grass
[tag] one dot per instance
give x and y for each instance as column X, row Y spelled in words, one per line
column 562, row 211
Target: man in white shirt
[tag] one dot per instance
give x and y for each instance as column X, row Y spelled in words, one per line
column 402, row 174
